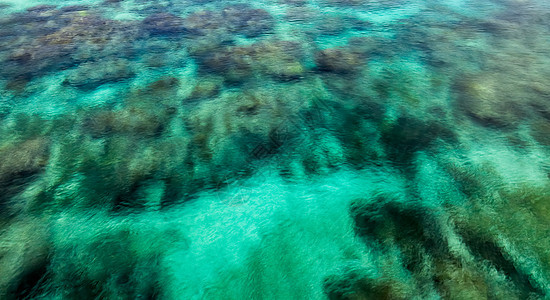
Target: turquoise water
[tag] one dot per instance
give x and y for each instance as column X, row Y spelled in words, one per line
column 276, row 149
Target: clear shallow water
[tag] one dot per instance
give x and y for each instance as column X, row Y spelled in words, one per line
column 274, row 150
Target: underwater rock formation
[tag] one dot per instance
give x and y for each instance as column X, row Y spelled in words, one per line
column 27, row 157
column 145, row 113
column 202, row 22
column 332, row 25
column 73, row 36
column 346, row 2
column 128, row 121
column 91, row 75
column 246, row 20
column 20, row 164
column 541, row 132
column 301, row 14
column 482, row 99
column 294, row 2
column 163, row 24
column 420, row 236
column 358, row 284
column 24, row 258
column 232, row 63
column 407, row 135
column 278, row 59
column 338, row 60
column 206, row 88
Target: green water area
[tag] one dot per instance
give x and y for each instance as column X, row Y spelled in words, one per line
column 275, row 149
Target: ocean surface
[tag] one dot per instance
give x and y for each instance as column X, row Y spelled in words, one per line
column 275, row 149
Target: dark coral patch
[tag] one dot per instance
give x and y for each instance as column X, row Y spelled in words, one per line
column 163, row 24
column 278, row 59
column 89, row 76
column 249, row 21
column 202, row 22
column 20, row 162
column 339, row 60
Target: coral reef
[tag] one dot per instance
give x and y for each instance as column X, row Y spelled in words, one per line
column 480, row 98
column 290, row 149
column 63, row 38
column 163, row 24
column 338, row 60
column 89, row 76
column 21, row 162
column 202, row 22
column 406, row 135
column 251, row 22
column 278, row 59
